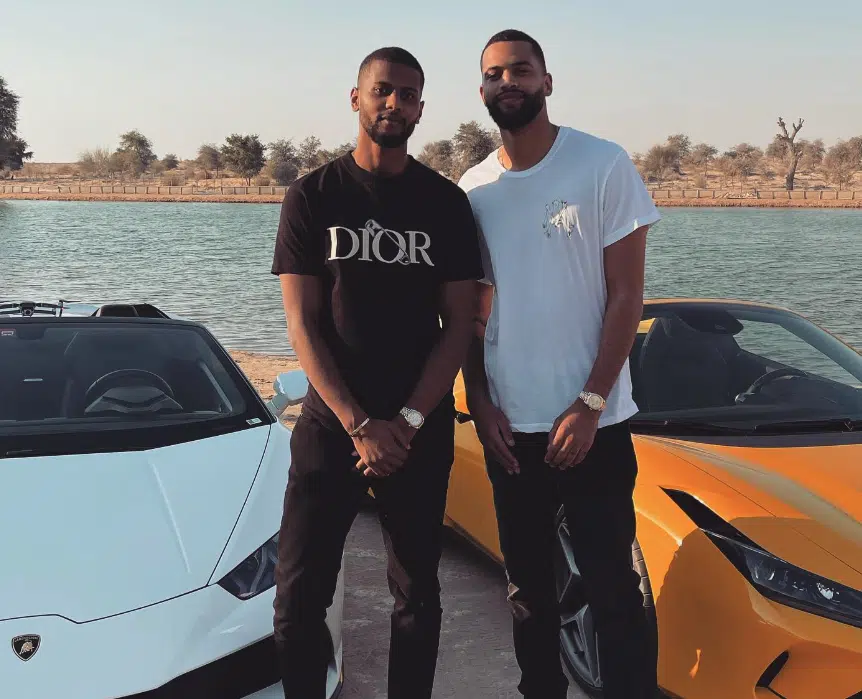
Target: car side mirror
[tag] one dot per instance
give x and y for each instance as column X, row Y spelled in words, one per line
column 290, row 389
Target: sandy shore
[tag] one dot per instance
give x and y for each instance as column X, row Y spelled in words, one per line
column 261, row 370
column 763, row 203
column 277, row 199
column 198, row 198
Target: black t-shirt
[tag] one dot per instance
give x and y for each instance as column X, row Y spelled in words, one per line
column 383, row 246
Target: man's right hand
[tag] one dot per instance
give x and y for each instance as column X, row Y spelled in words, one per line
column 380, row 447
column 495, row 434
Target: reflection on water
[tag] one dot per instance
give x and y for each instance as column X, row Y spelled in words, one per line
column 211, row 262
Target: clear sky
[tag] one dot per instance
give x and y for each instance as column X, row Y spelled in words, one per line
column 189, row 71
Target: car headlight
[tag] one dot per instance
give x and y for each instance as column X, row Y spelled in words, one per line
column 255, row 574
column 788, row 584
column 773, row 577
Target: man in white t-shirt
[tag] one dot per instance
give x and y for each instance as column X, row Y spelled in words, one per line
column 563, row 218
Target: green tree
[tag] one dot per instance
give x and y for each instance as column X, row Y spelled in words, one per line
column 680, row 146
column 13, row 149
column 171, row 161
column 284, row 163
column 244, row 155
column 743, row 160
column 701, row 156
column 325, row 156
column 136, row 151
column 309, row 153
column 209, row 158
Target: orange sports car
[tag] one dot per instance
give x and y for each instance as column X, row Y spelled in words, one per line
column 749, row 497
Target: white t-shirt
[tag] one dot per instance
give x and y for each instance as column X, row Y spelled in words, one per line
column 542, row 233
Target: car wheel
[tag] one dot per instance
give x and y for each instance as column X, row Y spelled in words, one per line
column 578, row 636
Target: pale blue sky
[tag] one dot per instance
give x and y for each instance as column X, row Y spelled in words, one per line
column 189, row 71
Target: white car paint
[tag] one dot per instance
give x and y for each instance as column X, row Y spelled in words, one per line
column 141, row 650
column 113, row 561
column 88, row 536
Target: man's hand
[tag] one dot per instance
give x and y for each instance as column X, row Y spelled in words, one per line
column 572, row 436
column 495, row 434
column 381, row 447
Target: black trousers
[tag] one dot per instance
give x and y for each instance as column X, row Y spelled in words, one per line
column 597, row 497
column 322, row 498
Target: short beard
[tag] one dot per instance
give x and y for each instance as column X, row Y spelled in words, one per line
column 387, row 140
column 513, row 121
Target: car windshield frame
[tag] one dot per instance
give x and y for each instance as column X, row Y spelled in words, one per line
column 753, row 417
column 75, row 433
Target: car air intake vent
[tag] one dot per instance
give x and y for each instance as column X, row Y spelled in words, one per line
column 772, row 671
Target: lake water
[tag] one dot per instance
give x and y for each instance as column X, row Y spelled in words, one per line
column 211, row 262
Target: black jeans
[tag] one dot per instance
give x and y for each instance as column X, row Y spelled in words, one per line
column 322, row 498
column 597, row 497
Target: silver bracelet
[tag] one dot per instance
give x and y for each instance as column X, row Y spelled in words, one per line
column 361, row 425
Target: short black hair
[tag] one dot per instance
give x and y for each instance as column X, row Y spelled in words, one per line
column 517, row 35
column 393, row 54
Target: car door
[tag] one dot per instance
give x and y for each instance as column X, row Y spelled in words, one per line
column 470, row 505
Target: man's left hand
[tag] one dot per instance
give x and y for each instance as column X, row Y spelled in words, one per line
column 572, row 436
column 405, row 436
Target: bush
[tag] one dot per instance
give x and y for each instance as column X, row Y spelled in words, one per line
column 262, row 181
column 700, row 182
column 173, row 179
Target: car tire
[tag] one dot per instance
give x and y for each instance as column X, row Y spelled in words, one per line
column 578, row 638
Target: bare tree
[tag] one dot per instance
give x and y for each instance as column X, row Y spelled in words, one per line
column 842, row 161
column 438, row 156
column 813, row 153
column 471, row 144
column 792, row 150
column 660, row 163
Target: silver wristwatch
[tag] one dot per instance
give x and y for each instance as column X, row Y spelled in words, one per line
column 593, row 401
column 414, row 418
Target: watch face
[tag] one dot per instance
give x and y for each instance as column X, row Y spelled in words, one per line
column 414, row 419
column 593, row 401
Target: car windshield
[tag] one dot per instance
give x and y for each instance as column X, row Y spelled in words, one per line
column 743, row 366
column 118, row 384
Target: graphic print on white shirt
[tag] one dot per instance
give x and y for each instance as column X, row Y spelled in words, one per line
column 543, row 232
column 560, row 216
column 408, row 248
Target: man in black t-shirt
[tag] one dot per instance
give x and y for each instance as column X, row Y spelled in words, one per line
column 377, row 255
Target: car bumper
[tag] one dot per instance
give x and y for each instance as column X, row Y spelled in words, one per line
column 202, row 644
column 719, row 637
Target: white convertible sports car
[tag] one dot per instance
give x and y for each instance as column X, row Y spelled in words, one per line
column 141, row 487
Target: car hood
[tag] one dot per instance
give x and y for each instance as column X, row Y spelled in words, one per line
column 815, row 490
column 92, row 535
